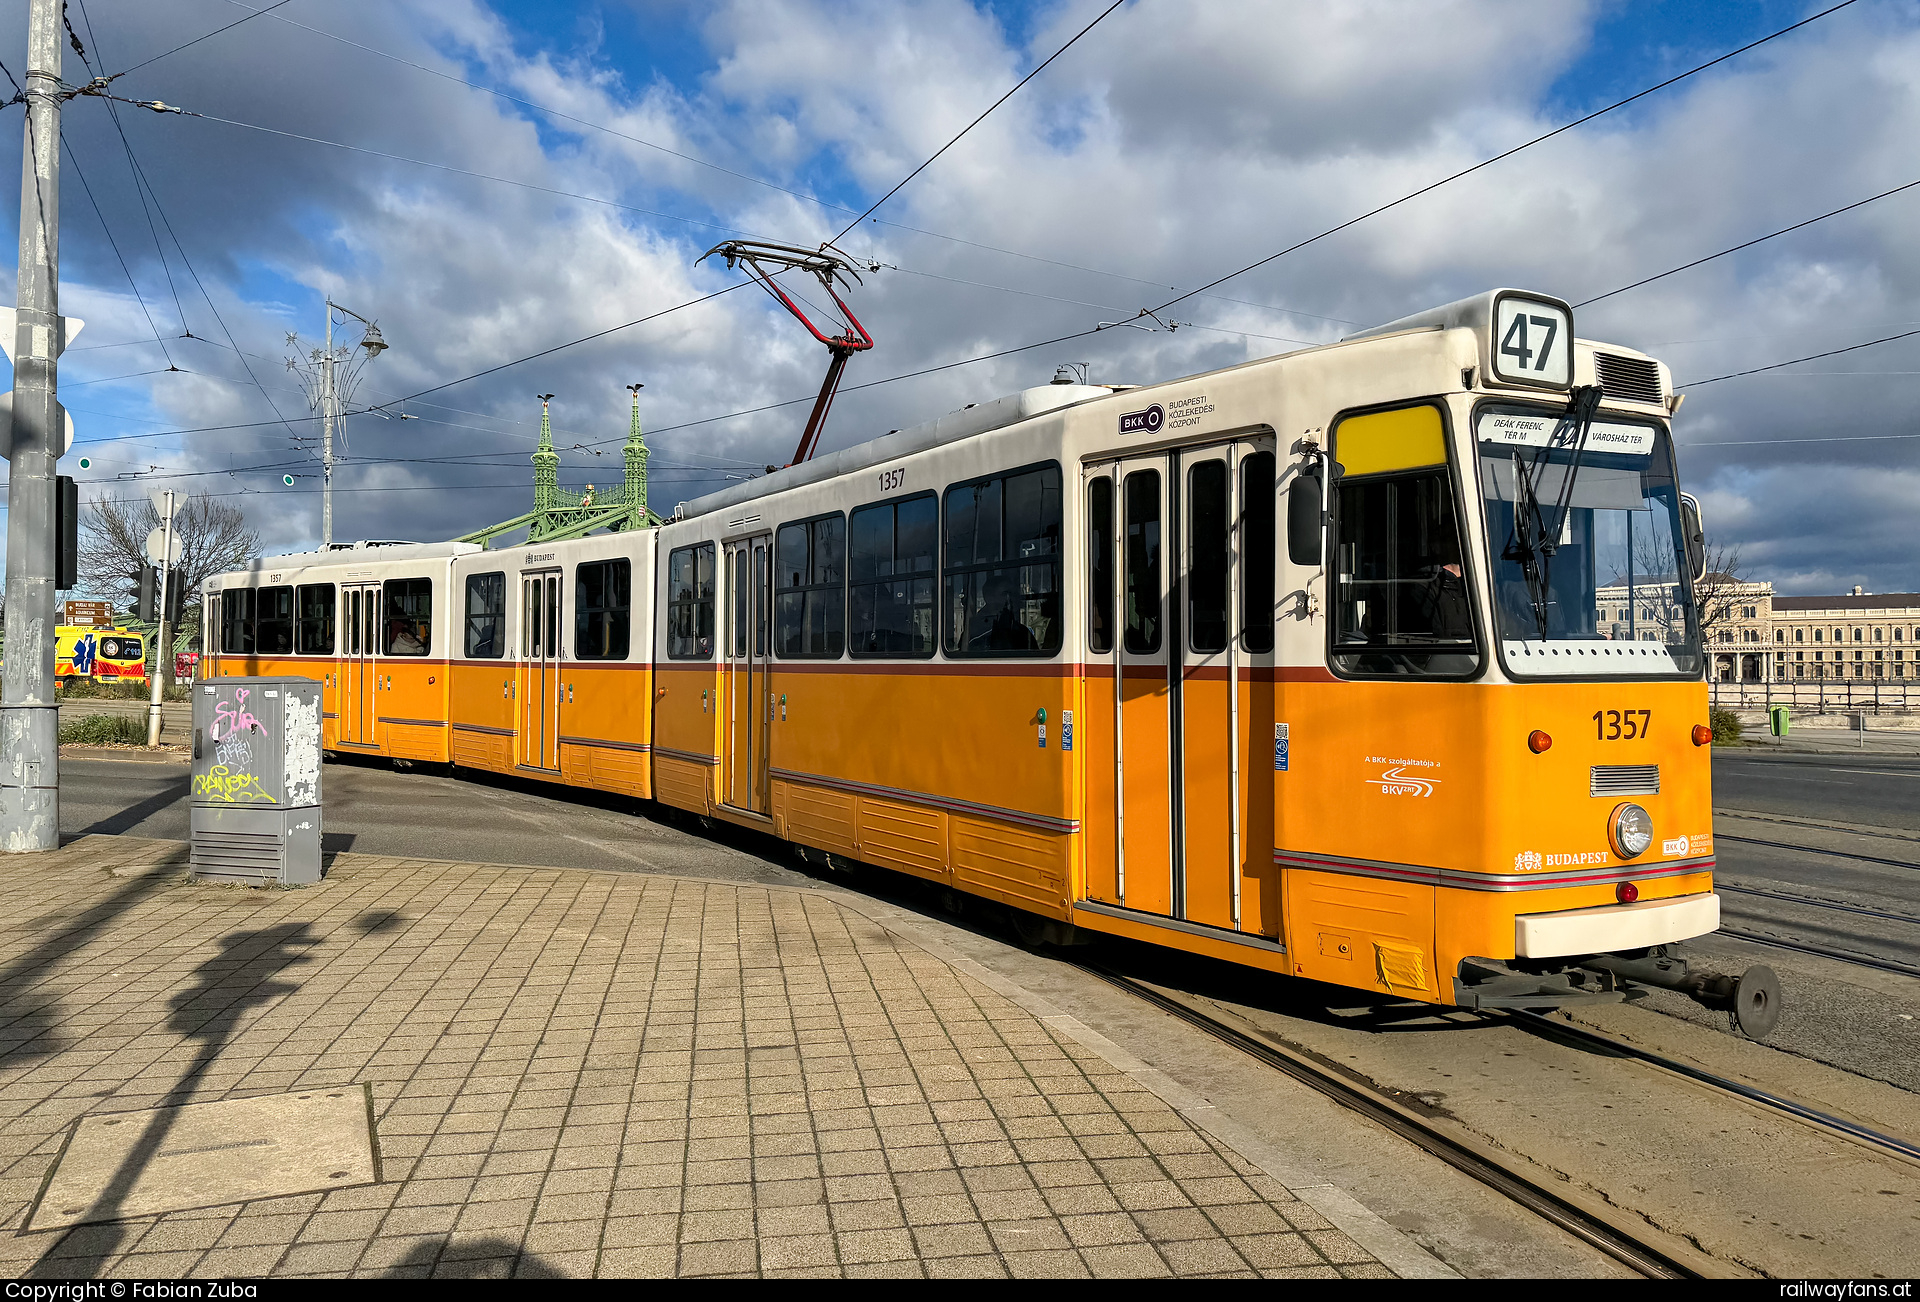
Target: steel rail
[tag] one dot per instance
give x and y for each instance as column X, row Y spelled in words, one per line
column 1487, row 1166
column 1811, row 902
column 1799, row 1111
column 1820, row 951
column 1815, row 849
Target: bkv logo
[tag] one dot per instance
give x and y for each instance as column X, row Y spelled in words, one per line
column 1143, row 422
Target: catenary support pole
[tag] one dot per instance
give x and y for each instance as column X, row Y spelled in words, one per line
column 162, row 640
column 29, row 715
column 326, row 438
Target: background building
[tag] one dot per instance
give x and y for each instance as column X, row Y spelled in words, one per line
column 1860, row 635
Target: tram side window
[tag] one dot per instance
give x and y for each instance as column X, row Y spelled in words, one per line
column 313, row 630
column 1142, row 500
column 891, row 559
column 1207, row 557
column 1401, row 598
column 1002, row 592
column 273, row 615
column 1100, row 565
column 603, row 609
column 486, row 616
column 1257, row 544
column 407, row 626
column 690, row 602
column 236, row 621
column 809, row 605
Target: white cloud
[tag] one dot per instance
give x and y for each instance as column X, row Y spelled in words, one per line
column 1173, row 143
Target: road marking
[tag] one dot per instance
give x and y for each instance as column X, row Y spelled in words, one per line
column 1795, row 777
column 1885, row 773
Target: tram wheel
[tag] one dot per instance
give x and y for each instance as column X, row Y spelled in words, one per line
column 1756, row 1002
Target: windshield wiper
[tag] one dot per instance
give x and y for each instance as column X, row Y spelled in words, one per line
column 1533, row 543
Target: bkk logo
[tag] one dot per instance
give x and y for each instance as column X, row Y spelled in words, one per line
column 1143, row 422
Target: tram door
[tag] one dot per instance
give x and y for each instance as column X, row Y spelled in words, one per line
column 360, row 627
column 538, row 724
column 749, row 698
column 1180, row 743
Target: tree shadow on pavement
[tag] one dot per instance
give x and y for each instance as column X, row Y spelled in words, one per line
column 489, row 1257
column 227, row 986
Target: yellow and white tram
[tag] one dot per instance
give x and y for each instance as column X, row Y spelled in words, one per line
column 1374, row 663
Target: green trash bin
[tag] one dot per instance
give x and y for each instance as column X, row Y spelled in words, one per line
column 1777, row 720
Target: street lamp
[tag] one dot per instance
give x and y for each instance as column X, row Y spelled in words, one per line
column 329, row 401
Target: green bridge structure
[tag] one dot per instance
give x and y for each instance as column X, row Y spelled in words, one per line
column 558, row 513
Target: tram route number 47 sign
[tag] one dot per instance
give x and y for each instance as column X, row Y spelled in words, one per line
column 1279, row 748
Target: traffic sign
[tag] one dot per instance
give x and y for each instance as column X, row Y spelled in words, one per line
column 158, row 540
column 95, row 614
column 6, row 426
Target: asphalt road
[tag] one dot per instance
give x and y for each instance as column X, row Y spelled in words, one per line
column 1880, row 790
column 476, row 818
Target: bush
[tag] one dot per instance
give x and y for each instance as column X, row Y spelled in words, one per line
column 1726, row 726
column 87, row 689
column 104, row 730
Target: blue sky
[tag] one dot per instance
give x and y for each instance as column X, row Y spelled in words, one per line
column 1174, row 142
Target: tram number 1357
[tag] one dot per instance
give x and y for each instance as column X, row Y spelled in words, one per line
column 1621, row 725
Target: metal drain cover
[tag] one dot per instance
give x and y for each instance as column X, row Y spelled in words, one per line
column 117, row 1165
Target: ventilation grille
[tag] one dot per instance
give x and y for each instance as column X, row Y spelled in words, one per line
column 237, row 854
column 1635, row 379
column 1625, row 780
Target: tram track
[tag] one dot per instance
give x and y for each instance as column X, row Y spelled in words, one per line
column 1815, row 849
column 1821, row 951
column 1641, row 1248
column 1618, row 1232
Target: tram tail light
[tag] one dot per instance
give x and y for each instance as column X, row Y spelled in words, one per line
column 1702, row 734
column 1626, row 892
column 1538, row 742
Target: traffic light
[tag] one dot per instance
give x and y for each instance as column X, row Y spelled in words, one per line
column 149, row 598
column 66, row 532
column 176, row 597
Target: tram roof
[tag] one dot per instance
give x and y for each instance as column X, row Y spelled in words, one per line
column 974, row 418
column 360, row 553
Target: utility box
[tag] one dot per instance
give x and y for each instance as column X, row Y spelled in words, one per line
column 1777, row 720
column 255, row 793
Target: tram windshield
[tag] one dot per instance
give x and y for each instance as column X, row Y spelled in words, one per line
column 1588, row 572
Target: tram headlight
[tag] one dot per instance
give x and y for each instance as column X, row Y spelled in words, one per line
column 1630, row 828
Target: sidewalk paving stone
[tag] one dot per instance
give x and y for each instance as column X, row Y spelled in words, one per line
column 580, row 1073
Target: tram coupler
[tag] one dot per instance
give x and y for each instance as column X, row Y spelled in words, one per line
column 1753, row 997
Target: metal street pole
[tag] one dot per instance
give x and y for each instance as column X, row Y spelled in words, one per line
column 161, row 659
column 326, row 438
column 29, row 716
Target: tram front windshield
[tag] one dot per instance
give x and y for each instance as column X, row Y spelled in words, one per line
column 1588, row 571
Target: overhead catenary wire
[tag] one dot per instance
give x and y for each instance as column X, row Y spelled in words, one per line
column 1505, row 154
column 695, row 159
column 1761, row 239
column 140, row 179
column 1810, row 357
column 195, row 41
column 114, row 244
column 982, row 118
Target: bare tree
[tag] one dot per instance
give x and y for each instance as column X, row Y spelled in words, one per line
column 214, row 537
column 1718, row 594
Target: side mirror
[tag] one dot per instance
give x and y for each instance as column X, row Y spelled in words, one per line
column 1305, row 516
column 1694, row 534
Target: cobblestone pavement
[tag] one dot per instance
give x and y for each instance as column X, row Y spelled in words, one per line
column 581, row 1073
